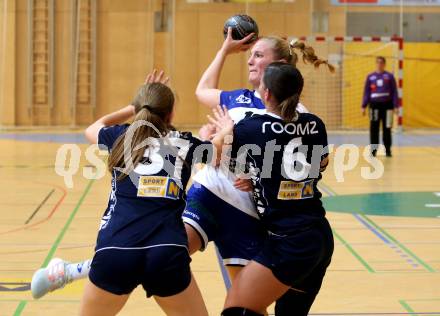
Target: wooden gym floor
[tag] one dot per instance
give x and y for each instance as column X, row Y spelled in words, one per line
column 387, row 231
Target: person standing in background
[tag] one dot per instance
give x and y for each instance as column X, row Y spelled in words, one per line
column 380, row 94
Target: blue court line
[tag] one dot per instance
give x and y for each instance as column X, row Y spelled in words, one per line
column 382, row 237
column 324, row 189
column 225, row 274
column 388, row 242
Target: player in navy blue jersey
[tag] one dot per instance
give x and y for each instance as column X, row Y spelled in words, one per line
column 284, row 152
column 216, row 210
column 142, row 239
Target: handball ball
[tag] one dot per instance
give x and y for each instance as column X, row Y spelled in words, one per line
column 242, row 25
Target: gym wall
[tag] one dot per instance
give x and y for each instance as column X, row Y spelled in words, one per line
column 129, row 44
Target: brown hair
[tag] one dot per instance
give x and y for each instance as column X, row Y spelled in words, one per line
column 285, row 50
column 286, row 83
column 381, row 58
column 153, row 103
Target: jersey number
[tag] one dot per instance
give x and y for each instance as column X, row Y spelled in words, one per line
column 156, row 160
column 295, row 165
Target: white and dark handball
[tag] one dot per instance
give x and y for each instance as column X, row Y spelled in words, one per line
column 242, row 25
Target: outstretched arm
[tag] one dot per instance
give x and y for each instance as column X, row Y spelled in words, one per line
column 207, row 91
column 117, row 117
column 124, row 114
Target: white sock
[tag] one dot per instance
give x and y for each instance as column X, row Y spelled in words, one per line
column 79, row 270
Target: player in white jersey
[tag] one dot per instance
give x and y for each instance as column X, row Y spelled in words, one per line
column 216, row 210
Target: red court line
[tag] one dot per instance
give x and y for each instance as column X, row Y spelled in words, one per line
column 54, row 209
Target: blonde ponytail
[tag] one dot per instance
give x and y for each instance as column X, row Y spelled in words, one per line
column 309, row 56
column 283, row 50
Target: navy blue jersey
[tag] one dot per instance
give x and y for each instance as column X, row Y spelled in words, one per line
column 145, row 207
column 283, row 161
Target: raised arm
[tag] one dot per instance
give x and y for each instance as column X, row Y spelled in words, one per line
column 117, row 117
column 124, row 114
column 207, row 91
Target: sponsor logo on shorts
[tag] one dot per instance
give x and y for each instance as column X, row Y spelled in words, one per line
column 190, row 214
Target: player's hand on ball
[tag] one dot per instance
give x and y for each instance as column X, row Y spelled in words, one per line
column 231, row 46
column 221, row 120
column 154, row 76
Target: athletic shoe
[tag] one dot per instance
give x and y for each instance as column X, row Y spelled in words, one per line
column 49, row 279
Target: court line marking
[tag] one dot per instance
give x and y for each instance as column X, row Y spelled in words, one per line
column 387, row 241
column 327, row 188
column 42, row 250
column 225, row 274
column 408, row 308
column 27, row 166
column 422, row 299
column 405, row 249
column 353, row 252
column 432, row 205
column 364, row 262
column 395, row 227
column 57, row 241
column 54, row 209
column 41, row 301
column 381, row 233
column 39, row 207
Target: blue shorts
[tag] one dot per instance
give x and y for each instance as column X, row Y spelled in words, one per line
column 300, row 260
column 238, row 236
column 162, row 270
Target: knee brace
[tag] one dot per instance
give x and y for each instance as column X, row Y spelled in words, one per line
column 239, row 311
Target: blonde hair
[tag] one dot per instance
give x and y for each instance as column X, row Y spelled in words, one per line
column 286, row 51
column 153, row 103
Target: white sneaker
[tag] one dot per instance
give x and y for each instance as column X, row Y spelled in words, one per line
column 49, row 279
